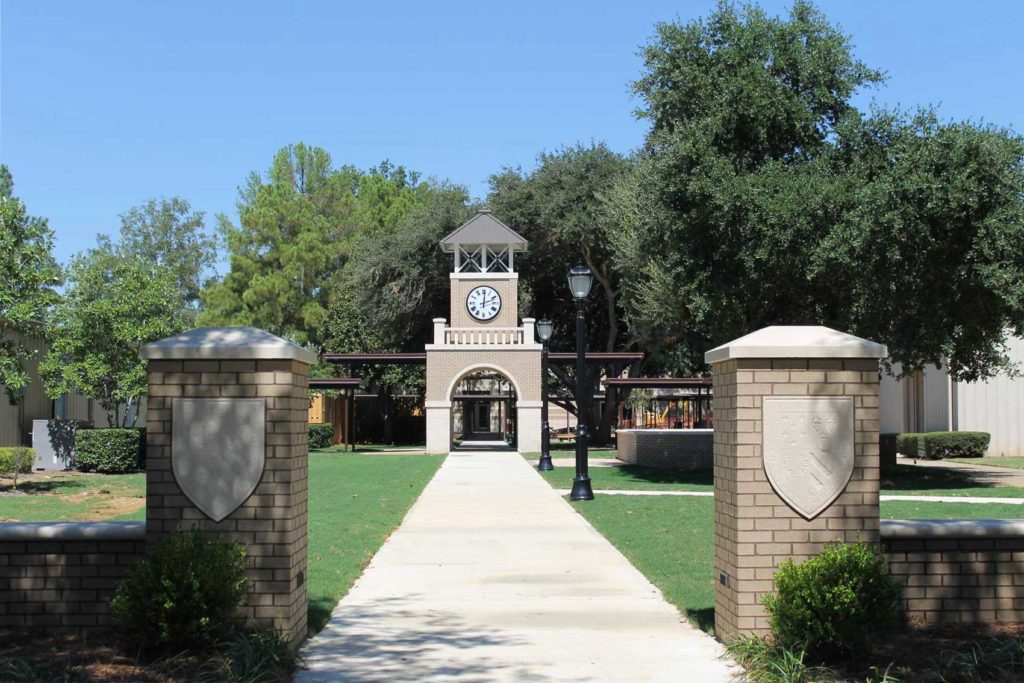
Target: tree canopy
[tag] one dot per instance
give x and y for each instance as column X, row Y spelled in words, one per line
column 168, row 233
column 770, row 199
column 114, row 304
column 28, row 277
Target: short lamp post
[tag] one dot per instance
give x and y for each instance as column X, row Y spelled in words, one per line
column 580, row 282
column 544, row 330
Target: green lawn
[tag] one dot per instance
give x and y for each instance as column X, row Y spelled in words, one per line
column 355, row 502
column 935, row 481
column 73, row 496
column 670, row 539
column 633, row 478
column 1015, row 462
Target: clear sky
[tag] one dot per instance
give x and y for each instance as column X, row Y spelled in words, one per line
column 104, row 104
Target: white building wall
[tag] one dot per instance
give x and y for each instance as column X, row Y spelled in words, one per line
column 995, row 406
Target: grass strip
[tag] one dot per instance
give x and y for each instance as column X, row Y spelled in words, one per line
column 355, row 502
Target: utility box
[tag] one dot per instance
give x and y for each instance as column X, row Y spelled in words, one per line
column 54, row 443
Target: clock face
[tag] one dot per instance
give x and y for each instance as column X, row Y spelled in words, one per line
column 483, row 303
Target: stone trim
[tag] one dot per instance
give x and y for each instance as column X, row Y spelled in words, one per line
column 956, row 528
column 73, row 531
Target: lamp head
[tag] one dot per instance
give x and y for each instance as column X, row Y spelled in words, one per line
column 545, row 328
column 580, row 282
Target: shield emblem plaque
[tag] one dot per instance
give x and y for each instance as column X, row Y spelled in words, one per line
column 808, row 450
column 218, row 451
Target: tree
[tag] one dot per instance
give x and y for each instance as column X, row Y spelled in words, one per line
column 28, row 276
column 776, row 202
column 295, row 232
column 114, row 305
column 558, row 208
column 168, row 233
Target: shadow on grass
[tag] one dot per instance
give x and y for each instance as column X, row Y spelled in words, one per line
column 48, row 486
column 916, row 478
column 660, row 476
column 703, row 618
column 320, row 612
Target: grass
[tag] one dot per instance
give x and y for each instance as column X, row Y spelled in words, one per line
column 634, row 478
column 934, row 481
column 1015, row 462
column 74, row 496
column 670, row 540
column 908, row 509
column 355, row 502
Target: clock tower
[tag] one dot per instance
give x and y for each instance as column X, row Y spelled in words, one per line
column 483, row 367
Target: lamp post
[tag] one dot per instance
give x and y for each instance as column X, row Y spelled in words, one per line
column 580, row 282
column 544, row 330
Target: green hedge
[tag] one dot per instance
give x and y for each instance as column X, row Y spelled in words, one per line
column 16, row 460
column 939, row 445
column 109, row 451
column 911, row 444
column 320, row 435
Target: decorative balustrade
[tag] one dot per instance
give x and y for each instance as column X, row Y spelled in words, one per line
column 483, row 336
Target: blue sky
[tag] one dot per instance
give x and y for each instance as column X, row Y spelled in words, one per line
column 105, row 104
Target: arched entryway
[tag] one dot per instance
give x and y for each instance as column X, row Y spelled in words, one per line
column 484, row 409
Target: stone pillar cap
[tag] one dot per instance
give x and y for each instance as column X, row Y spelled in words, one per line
column 796, row 341
column 215, row 343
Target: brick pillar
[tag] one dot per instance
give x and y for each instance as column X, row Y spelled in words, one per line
column 796, row 458
column 226, row 453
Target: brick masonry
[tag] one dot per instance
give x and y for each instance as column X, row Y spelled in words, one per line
column 949, row 580
column 62, row 584
column 755, row 530
column 675, row 449
column 272, row 521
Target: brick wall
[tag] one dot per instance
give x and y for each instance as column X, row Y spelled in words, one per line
column 61, row 576
column 522, row 366
column 505, row 284
column 755, row 530
column 962, row 572
column 272, row 522
column 676, row 449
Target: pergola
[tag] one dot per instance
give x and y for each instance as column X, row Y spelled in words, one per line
column 698, row 393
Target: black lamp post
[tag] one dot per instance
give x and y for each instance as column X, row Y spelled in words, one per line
column 580, row 282
column 544, row 330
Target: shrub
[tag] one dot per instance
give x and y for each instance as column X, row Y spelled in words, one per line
column 830, row 604
column 109, row 451
column 15, row 461
column 320, row 435
column 910, row 445
column 938, row 445
column 184, row 594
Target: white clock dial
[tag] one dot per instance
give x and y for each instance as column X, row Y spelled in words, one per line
column 483, row 303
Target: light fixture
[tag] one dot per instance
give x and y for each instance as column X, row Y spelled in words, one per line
column 545, row 328
column 580, row 282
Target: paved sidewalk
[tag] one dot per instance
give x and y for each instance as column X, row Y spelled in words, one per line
column 494, row 577
column 984, row 475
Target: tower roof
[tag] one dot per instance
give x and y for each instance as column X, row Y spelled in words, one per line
column 484, row 228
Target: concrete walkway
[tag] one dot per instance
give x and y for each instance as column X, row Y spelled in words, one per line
column 983, row 475
column 494, row 577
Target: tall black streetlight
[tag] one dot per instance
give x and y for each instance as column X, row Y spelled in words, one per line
column 544, row 330
column 580, row 282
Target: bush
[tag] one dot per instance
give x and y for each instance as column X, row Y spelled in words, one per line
column 910, row 445
column 831, row 604
column 109, row 451
column 15, row 461
column 938, row 445
column 183, row 595
column 321, row 435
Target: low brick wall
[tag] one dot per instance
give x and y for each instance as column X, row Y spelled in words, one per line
column 672, row 449
column 959, row 572
column 61, row 576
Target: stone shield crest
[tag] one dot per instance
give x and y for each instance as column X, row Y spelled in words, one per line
column 808, row 450
column 218, row 451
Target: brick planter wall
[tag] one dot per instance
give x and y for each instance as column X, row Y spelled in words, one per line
column 959, row 572
column 672, row 449
column 61, row 576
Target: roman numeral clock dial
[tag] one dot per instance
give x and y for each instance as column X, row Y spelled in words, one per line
column 483, row 303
